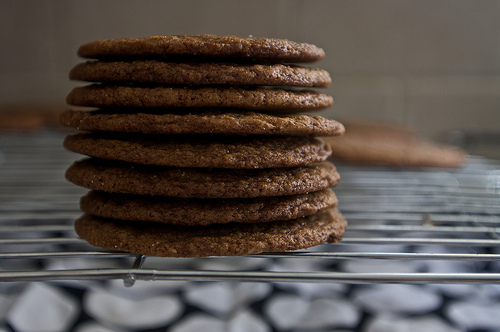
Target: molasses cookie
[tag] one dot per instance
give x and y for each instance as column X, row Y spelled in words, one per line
column 189, row 212
column 30, row 118
column 159, row 239
column 393, row 146
column 211, row 46
column 199, row 73
column 262, row 99
column 220, row 151
column 205, row 122
column 119, row 177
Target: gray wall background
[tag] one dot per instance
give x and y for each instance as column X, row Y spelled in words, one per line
column 432, row 65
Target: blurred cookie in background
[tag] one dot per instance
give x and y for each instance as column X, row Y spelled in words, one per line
column 391, row 145
column 22, row 118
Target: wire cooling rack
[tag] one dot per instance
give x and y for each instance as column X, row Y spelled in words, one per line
column 401, row 223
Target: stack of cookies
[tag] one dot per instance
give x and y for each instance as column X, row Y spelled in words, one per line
column 197, row 146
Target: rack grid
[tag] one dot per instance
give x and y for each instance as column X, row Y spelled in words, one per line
column 396, row 215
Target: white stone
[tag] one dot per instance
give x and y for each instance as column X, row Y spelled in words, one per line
column 6, row 302
column 409, row 299
column 448, row 266
column 83, row 263
column 311, row 290
column 303, row 288
column 222, row 298
column 428, row 323
column 452, row 266
column 369, row 248
column 248, row 292
column 93, row 327
column 246, row 321
column 378, row 266
column 299, row 265
column 80, row 264
column 324, row 313
column 474, row 315
column 120, row 311
column 199, row 322
column 43, row 308
column 216, row 298
column 231, row 263
column 492, row 290
column 286, row 311
column 443, row 266
column 456, row 290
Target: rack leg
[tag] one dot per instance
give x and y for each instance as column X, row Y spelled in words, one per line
column 130, row 279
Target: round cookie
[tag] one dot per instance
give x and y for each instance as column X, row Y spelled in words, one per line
column 159, row 239
column 263, row 99
column 243, row 48
column 394, row 153
column 236, row 152
column 207, row 122
column 118, row 177
column 190, row 212
column 392, row 146
column 199, row 73
column 30, row 118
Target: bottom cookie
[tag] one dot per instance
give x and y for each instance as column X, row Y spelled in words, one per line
column 233, row 239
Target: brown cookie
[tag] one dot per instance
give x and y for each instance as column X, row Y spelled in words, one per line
column 190, row 212
column 244, row 48
column 207, row 122
column 159, row 239
column 30, row 118
column 393, row 146
column 120, row 177
column 263, row 99
column 199, row 73
column 235, row 152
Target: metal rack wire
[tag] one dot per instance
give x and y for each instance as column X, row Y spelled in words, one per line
column 395, row 215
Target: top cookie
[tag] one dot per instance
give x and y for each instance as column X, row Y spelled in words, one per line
column 244, row 48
